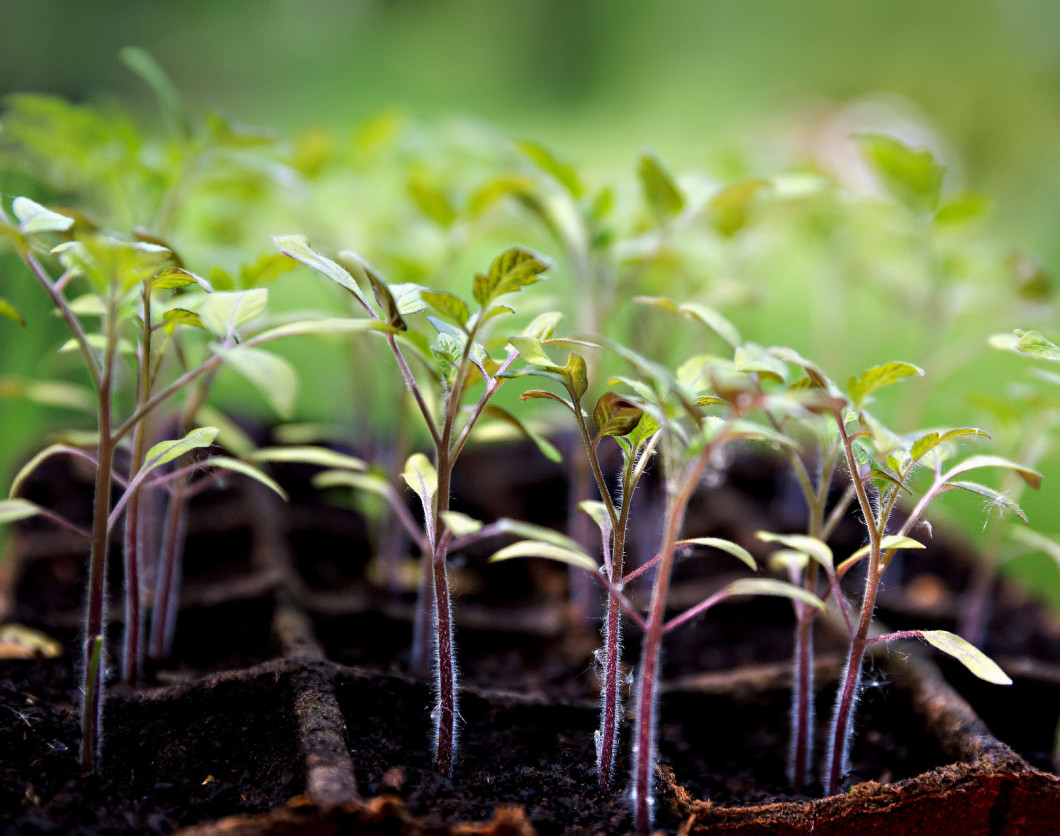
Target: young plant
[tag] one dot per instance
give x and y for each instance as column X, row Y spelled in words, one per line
column 456, row 360
column 690, row 442
column 122, row 279
column 882, row 467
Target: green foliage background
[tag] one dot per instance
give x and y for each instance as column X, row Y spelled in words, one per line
column 731, row 89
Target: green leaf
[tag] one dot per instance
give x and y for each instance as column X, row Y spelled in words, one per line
column 420, row 475
column 298, row 248
column 543, row 325
column 541, row 394
column 8, row 311
column 996, row 498
column 615, row 415
column 597, row 511
column 371, row 482
column 461, row 525
column 964, row 208
column 564, row 173
column 55, row 393
column 912, row 176
column 177, row 277
column 174, row 109
column 550, row 551
column 700, row 313
column 877, row 377
column 750, row 358
column 319, row 456
column 887, row 543
column 224, row 312
column 384, row 298
column 176, row 317
column 532, row 351
column 327, row 325
column 530, row 531
column 247, row 469
column 167, row 451
column 513, row 269
column 812, row 547
column 927, row 443
column 575, row 371
column 660, row 190
column 34, row 218
column 727, row 546
column 547, row 448
column 270, row 374
column 732, row 206
column 1032, row 477
column 967, row 654
column 13, row 510
column 1038, row 542
column 107, row 261
column 449, row 305
column 1035, row 345
column 431, row 200
column 771, row 587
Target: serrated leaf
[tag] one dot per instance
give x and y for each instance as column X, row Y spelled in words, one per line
column 319, row 456
column 273, row 376
column 248, row 470
column 615, row 415
column 967, row 654
column 721, row 544
column 298, row 248
column 550, row 551
column 660, row 189
column 177, row 277
column 930, row 441
column 34, row 218
column 812, row 547
column 912, row 176
column 449, row 305
column 510, row 271
column 224, row 312
column 877, row 377
column 166, row 451
column 13, row 510
column 420, row 475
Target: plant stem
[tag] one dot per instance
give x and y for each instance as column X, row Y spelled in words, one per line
column 644, row 729
column 850, row 683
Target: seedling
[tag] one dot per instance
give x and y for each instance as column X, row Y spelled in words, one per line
column 123, row 278
column 672, row 418
column 881, row 467
column 455, row 360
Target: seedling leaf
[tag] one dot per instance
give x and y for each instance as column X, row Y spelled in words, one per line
column 420, row 475
column 461, row 525
column 449, row 305
column 660, row 190
column 770, row 586
column 13, row 510
column 298, row 248
column 887, row 543
column 319, row 456
column 721, row 544
column 167, row 451
column 513, row 269
column 550, row 551
column 273, row 376
column 967, row 654
column 929, row 442
column 810, row 546
column 615, row 415
column 1038, row 542
column 247, row 469
column 224, row 312
column 877, row 377
column 326, row 325
column 1035, row 345
column 566, row 175
column 547, row 448
column 8, row 311
column 34, row 218
column 912, row 176
column 996, row 498
column 1032, row 477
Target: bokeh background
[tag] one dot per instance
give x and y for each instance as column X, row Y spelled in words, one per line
column 730, row 89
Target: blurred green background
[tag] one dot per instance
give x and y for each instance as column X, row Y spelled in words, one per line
column 730, row 89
